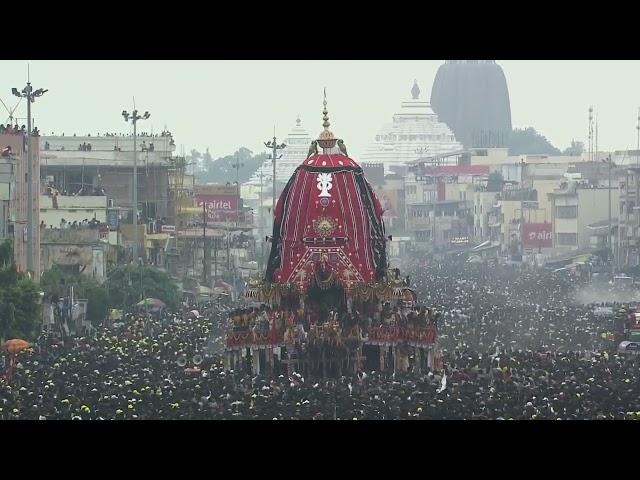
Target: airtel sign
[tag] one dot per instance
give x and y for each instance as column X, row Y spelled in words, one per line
column 219, row 207
column 538, row 235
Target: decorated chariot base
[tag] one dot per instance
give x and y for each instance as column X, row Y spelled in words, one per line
column 333, row 305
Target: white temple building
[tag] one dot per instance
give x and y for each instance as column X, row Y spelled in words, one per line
column 297, row 147
column 414, row 133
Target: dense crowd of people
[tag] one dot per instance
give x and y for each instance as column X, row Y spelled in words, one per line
column 516, row 345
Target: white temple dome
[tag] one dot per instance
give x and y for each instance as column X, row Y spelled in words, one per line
column 415, row 132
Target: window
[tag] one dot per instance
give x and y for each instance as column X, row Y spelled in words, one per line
column 567, row 211
column 567, row 238
column 412, row 189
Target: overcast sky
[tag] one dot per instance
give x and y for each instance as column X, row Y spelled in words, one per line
column 224, row 105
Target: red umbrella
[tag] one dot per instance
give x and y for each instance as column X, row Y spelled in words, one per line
column 15, row 345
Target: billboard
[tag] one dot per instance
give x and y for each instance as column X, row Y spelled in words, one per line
column 219, row 208
column 538, row 235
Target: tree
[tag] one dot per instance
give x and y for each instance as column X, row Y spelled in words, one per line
column 222, row 170
column 129, row 284
column 20, row 314
column 56, row 283
column 529, row 142
column 98, row 304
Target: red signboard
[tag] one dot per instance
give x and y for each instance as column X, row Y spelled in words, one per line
column 538, row 235
column 219, row 207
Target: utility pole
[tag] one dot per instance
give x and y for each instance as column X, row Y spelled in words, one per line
column 134, row 119
column 590, row 134
column 261, row 226
column 30, row 95
column 596, row 156
column 523, row 166
column 611, row 165
column 237, row 165
column 273, row 145
column 638, row 145
column 206, row 252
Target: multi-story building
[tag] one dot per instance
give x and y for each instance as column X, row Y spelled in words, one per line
column 483, row 208
column 439, row 222
column 629, row 215
column 7, row 185
column 14, row 147
column 83, row 165
column 574, row 207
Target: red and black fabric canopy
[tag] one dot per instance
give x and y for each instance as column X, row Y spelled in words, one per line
column 328, row 226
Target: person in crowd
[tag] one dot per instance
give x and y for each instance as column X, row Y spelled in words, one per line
column 515, row 345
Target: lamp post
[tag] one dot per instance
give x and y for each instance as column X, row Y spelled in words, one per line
column 260, row 218
column 523, row 166
column 274, row 146
column 134, row 119
column 31, row 95
column 611, row 165
column 237, row 165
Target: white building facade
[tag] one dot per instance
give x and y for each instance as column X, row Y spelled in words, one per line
column 414, row 133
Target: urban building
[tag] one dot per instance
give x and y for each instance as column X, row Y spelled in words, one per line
column 628, row 251
column 90, row 165
column 574, row 207
column 7, row 186
column 14, row 150
column 85, row 251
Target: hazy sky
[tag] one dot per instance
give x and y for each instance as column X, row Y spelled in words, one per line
column 227, row 104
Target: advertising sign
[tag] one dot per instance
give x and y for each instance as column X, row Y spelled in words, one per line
column 538, row 235
column 219, row 208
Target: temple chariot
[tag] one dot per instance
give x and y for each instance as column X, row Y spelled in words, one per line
column 328, row 304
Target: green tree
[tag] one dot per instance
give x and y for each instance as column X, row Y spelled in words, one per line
column 98, row 304
column 222, row 170
column 528, row 141
column 129, row 284
column 56, row 283
column 20, row 313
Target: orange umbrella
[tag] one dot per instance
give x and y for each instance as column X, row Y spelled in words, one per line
column 16, row 345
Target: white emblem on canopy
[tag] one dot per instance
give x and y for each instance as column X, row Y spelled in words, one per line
column 324, row 184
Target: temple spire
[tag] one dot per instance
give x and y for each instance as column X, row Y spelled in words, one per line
column 415, row 91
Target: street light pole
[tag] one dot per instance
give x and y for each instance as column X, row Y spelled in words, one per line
column 237, row 165
column 134, row 119
column 273, row 145
column 609, row 242
column 523, row 166
column 30, row 95
column 261, row 229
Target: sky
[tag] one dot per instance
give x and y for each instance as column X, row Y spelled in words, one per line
column 224, row 105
